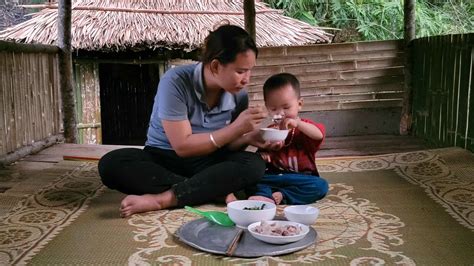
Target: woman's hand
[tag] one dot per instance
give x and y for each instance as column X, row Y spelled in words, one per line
column 250, row 119
column 254, row 138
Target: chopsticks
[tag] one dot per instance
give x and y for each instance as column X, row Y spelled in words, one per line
column 233, row 245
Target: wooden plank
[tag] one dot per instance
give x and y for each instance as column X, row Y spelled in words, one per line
column 7, row 46
column 23, row 118
column 320, row 68
column 31, row 75
column 343, row 97
column 311, row 58
column 271, row 52
column 355, row 104
column 420, row 65
column 42, row 108
column 357, row 142
column 335, row 48
column 442, row 91
column 431, row 131
column 56, row 93
column 367, row 55
column 7, row 102
column 318, row 49
column 291, row 60
column 470, row 118
column 372, row 104
column 15, row 104
column 3, row 85
column 438, row 94
column 380, row 45
column 464, row 93
column 371, row 73
column 450, row 98
column 78, row 87
column 308, row 88
column 352, row 75
column 353, row 97
column 458, row 98
column 266, row 71
column 366, row 81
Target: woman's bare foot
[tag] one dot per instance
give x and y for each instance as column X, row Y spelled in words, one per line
column 229, row 198
column 262, row 198
column 277, row 197
column 132, row 204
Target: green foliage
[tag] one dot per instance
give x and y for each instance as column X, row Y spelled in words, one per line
column 382, row 19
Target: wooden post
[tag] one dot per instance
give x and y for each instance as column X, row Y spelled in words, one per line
column 249, row 16
column 65, row 71
column 409, row 35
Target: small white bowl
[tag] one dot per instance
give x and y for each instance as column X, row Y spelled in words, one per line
column 273, row 134
column 242, row 218
column 304, row 214
column 279, row 239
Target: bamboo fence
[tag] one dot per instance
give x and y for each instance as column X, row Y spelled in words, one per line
column 29, row 97
column 333, row 77
column 337, row 76
column 443, row 99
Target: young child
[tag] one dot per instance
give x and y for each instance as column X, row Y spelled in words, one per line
column 291, row 176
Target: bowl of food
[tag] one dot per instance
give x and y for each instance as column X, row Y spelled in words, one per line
column 245, row 212
column 278, row 232
column 273, row 134
column 304, row 214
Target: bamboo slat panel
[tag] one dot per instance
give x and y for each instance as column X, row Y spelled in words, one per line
column 337, row 76
column 87, row 90
column 29, row 99
column 443, row 98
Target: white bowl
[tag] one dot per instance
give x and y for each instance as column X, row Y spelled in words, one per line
column 304, row 214
column 279, row 239
column 242, row 218
column 273, row 134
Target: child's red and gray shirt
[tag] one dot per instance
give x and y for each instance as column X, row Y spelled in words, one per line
column 298, row 154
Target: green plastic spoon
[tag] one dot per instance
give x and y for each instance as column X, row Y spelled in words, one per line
column 220, row 218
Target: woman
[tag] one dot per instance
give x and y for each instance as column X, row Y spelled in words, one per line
column 199, row 125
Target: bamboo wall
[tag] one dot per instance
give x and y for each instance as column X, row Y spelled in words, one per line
column 29, row 97
column 87, row 97
column 337, row 76
column 443, row 94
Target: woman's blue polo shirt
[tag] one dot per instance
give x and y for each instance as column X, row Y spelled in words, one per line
column 181, row 96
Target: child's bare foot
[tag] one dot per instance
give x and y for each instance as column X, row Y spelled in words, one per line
column 132, row 204
column 229, row 198
column 262, row 198
column 277, row 197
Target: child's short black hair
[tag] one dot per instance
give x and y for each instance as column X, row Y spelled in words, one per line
column 279, row 80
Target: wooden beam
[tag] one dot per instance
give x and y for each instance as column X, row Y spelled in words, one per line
column 249, row 15
column 156, row 11
column 30, row 149
column 6, row 46
column 409, row 35
column 65, row 71
column 409, row 20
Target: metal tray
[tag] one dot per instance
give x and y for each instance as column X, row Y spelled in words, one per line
column 210, row 237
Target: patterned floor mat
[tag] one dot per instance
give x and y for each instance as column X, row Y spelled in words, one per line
column 410, row 208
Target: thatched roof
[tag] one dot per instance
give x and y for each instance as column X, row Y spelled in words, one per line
column 145, row 24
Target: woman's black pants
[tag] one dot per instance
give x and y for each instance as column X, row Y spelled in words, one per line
column 194, row 180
